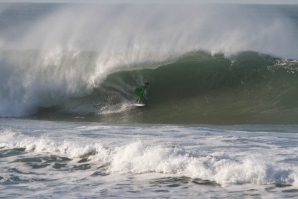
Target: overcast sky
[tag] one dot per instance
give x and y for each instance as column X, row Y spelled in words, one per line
column 160, row 1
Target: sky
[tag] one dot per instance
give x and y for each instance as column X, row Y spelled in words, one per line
column 161, row 1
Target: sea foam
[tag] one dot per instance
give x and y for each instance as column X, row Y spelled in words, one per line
column 121, row 156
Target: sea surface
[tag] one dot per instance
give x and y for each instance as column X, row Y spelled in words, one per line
column 220, row 121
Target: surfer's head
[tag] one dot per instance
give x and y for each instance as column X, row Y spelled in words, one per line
column 147, row 84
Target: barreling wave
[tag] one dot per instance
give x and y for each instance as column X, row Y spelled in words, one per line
column 203, row 88
column 204, row 65
column 198, row 87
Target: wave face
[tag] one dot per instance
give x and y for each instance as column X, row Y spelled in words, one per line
column 206, row 64
column 201, row 88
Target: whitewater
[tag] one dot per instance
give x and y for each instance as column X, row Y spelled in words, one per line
column 220, row 122
column 86, row 160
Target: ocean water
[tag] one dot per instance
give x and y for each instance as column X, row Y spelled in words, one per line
column 220, row 122
column 46, row 159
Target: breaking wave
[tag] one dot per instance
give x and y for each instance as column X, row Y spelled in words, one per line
column 204, row 65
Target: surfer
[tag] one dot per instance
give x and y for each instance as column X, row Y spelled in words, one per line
column 140, row 91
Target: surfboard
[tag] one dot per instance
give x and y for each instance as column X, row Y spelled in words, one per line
column 140, row 104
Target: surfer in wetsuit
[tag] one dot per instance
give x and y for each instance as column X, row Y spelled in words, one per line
column 140, row 91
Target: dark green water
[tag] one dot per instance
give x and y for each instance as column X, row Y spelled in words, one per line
column 249, row 88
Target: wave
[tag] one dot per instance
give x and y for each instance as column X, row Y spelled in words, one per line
column 224, row 168
column 205, row 66
column 196, row 88
column 205, row 88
